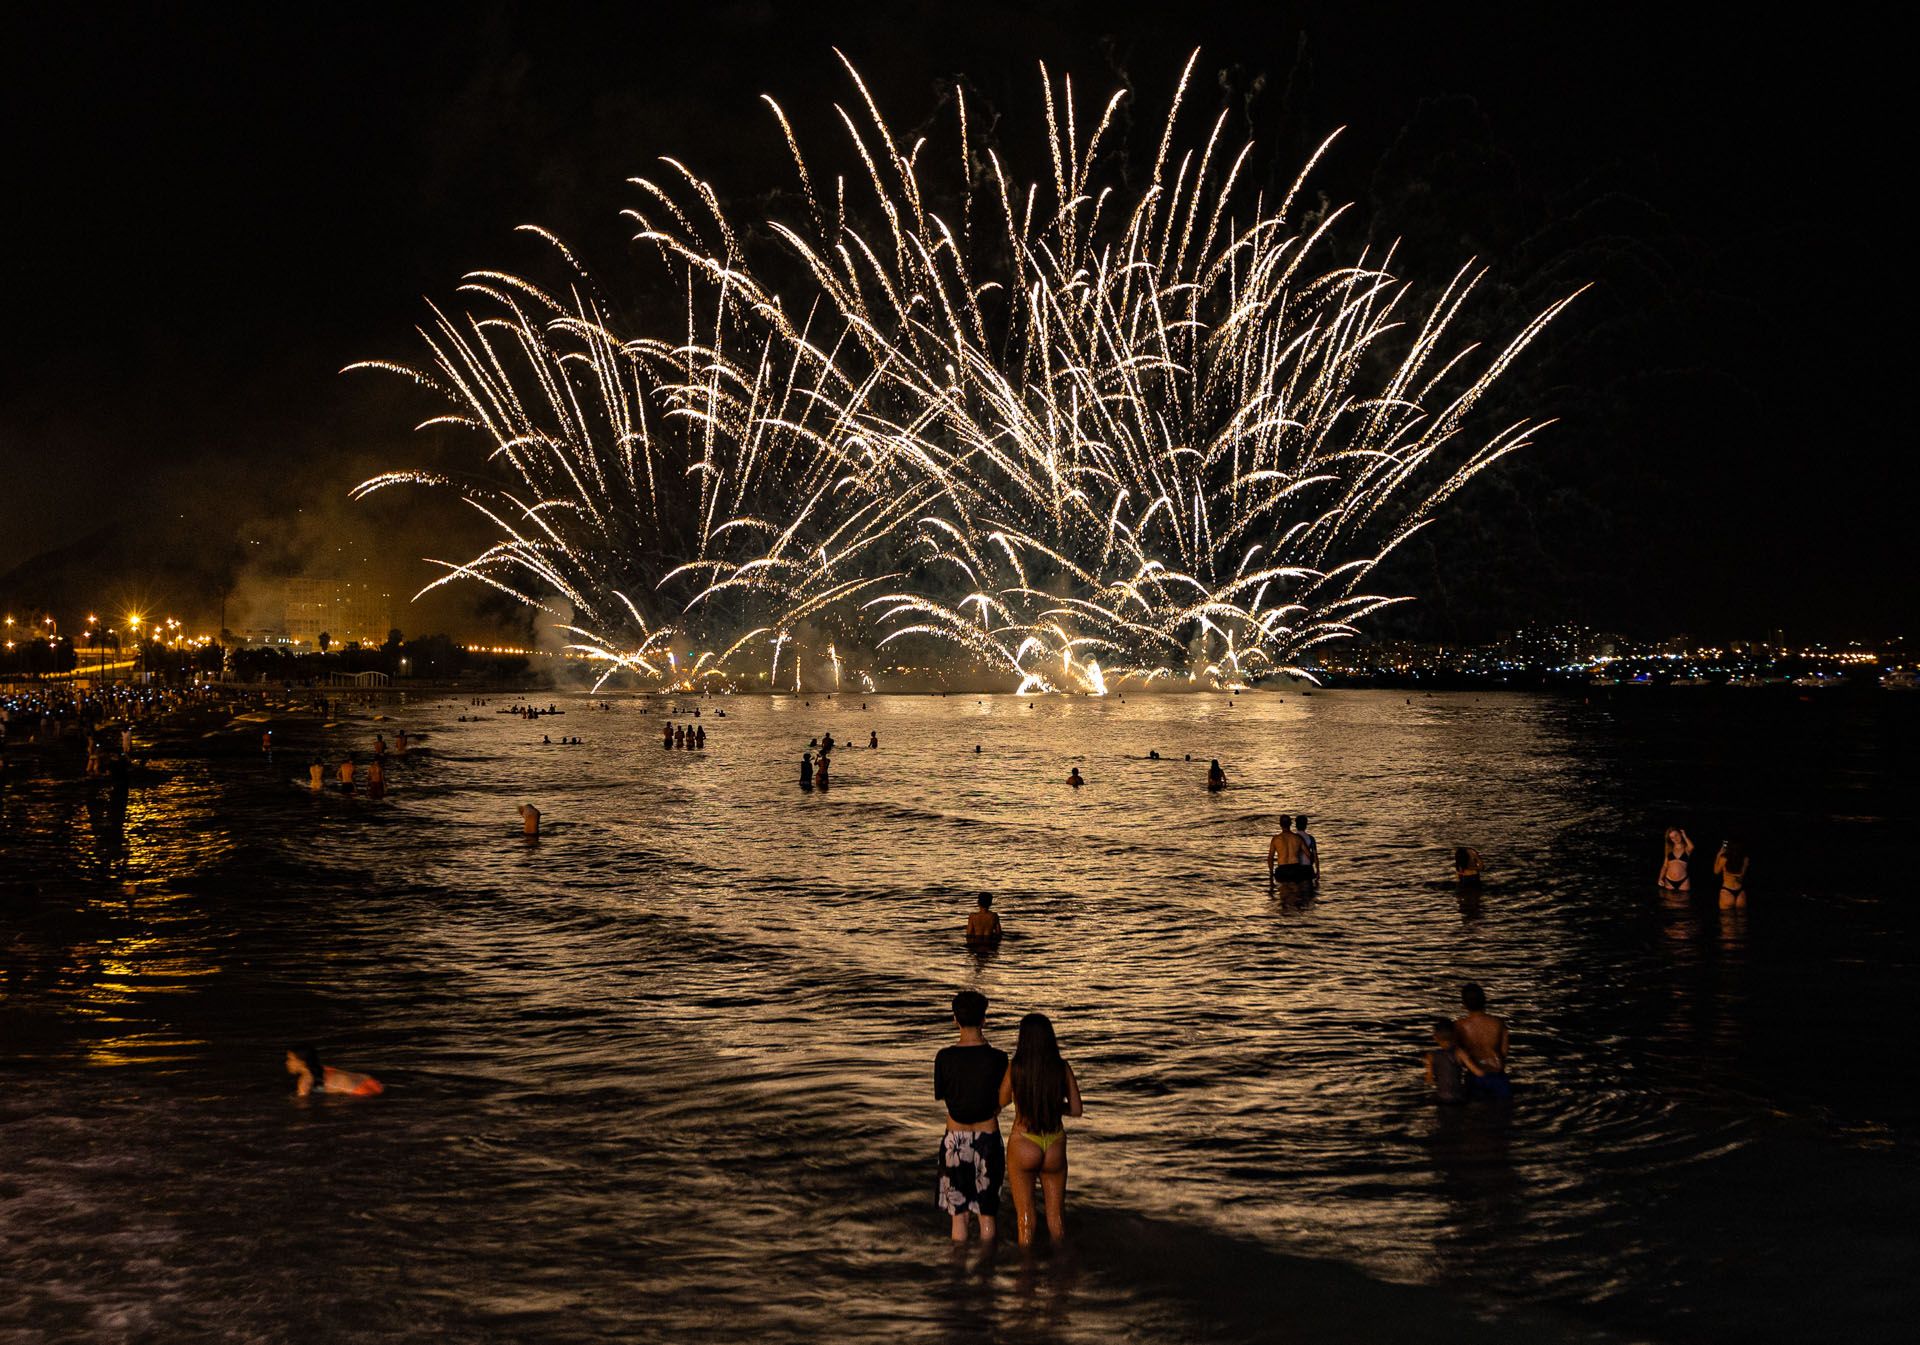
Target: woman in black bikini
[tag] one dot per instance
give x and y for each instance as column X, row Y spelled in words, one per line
column 1731, row 866
column 1675, row 868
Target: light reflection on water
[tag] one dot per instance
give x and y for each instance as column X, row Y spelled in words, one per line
column 669, row 1064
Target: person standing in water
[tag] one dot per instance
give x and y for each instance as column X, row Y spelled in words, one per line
column 316, row 775
column 1731, row 867
column 1216, row 778
column 1074, row 777
column 1287, row 860
column 1483, row 1040
column 700, row 732
column 1676, row 868
column 310, row 1076
column 529, row 821
column 806, row 770
column 377, row 778
column 1447, row 1065
column 345, row 774
column 667, row 738
column 873, row 737
column 967, row 1077
column 1306, row 839
column 983, row 926
column 1043, row 1091
column 820, row 769
column 1466, row 865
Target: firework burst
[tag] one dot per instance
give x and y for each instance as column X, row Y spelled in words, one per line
column 1079, row 432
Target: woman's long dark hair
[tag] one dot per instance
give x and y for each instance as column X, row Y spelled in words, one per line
column 1039, row 1075
column 309, row 1057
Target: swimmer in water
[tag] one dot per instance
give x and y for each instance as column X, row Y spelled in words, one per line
column 1153, row 754
column 1676, row 871
column 310, row 1076
column 1466, row 864
column 316, row 775
column 976, row 749
column 1216, row 778
column 545, row 739
column 983, row 926
column 1074, row 777
column 873, row 738
column 529, row 820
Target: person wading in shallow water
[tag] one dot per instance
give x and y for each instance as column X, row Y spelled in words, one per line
column 1676, row 868
column 1731, row 865
column 973, row 1160
column 1483, row 1038
column 983, row 926
column 1287, row 858
column 1043, row 1091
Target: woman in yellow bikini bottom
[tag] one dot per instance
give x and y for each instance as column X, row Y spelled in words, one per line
column 1043, row 1090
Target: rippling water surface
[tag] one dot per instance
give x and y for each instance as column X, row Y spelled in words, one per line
column 666, row 1073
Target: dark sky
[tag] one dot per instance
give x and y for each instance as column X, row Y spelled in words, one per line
column 210, row 210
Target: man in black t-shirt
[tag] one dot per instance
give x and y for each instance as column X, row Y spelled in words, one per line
column 973, row 1161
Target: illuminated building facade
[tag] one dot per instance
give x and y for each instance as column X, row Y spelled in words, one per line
column 343, row 610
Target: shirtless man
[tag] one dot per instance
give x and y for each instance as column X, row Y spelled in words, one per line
column 983, row 926
column 1485, row 1039
column 1288, row 860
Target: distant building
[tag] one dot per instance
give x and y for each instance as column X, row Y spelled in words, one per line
column 345, row 611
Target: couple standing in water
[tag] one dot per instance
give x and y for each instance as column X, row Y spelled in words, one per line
column 1729, row 866
column 977, row 1082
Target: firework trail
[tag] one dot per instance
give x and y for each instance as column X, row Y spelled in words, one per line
column 1080, row 433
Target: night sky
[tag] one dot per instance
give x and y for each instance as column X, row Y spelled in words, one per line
column 210, row 211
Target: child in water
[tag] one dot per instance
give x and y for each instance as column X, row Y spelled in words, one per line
column 1448, row 1065
column 310, row 1076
